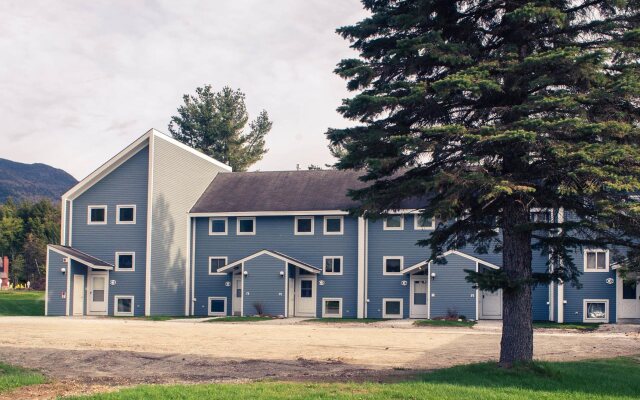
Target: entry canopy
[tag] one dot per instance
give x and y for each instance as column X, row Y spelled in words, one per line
column 423, row 265
column 81, row 257
column 275, row 254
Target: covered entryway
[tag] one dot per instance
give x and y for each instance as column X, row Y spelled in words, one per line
column 305, row 294
column 98, row 290
column 628, row 295
column 236, row 294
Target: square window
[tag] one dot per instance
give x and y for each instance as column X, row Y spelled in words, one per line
column 596, row 310
column 333, row 225
column 97, row 215
column 123, row 306
column 217, row 226
column 332, row 308
column 125, row 261
column 304, row 225
column 333, row 265
column 126, row 214
column 394, row 223
column 218, row 306
column 392, row 308
column 215, row 263
column 393, row 265
column 540, row 216
column 246, row 226
column 420, row 222
column 596, row 261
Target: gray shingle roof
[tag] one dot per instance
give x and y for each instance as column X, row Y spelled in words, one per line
column 82, row 257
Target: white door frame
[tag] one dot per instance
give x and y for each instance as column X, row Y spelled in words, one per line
column 411, row 305
column 620, row 300
column 314, row 288
column 235, row 301
column 90, row 276
column 78, row 295
column 499, row 296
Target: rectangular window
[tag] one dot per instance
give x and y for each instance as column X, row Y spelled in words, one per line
column 391, row 308
column 393, row 265
column 422, row 223
column 596, row 310
column 333, row 225
column 303, row 226
column 596, row 260
column 218, row 306
column 125, row 261
column 246, row 226
column 126, row 215
column 331, row 308
column 215, row 263
column 393, row 223
column 629, row 290
column 123, row 306
column 538, row 215
column 332, row 265
column 97, row 215
column 217, row 226
column 306, row 288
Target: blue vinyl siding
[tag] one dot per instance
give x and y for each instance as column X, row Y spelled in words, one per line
column 264, row 285
column 277, row 233
column 127, row 184
column 56, row 284
column 450, row 292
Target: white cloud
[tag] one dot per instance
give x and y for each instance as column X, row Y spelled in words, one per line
column 80, row 80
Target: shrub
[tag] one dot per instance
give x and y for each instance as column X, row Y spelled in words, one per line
column 259, row 308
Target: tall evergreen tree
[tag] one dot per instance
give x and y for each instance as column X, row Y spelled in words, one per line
column 492, row 108
column 215, row 123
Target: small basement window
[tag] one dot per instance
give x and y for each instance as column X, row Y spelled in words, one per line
column 596, row 260
column 126, row 215
column 215, row 263
column 422, row 223
column 303, row 226
column 332, row 265
column 246, row 226
column 123, row 306
column 391, row 308
column 333, row 225
column 125, row 261
column 218, row 306
column 596, row 310
column 97, row 215
column 331, row 308
column 217, row 226
column 393, row 265
column 393, row 223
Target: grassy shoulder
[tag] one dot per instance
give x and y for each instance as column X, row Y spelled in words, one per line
column 444, row 323
column 21, row 302
column 14, row 377
column 344, row 320
column 597, row 379
column 240, row 319
column 565, row 326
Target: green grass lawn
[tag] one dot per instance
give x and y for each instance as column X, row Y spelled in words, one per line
column 21, row 302
column 444, row 323
column 240, row 319
column 345, row 320
column 602, row 379
column 555, row 325
column 13, row 377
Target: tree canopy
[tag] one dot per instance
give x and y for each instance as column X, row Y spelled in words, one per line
column 215, row 123
column 490, row 109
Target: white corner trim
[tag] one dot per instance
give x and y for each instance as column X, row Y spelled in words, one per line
column 584, row 258
column 324, row 265
column 226, row 260
column 295, row 226
column 63, row 223
column 238, row 233
column 384, row 265
column 560, row 302
column 135, row 214
column 68, row 290
column 115, row 306
column 226, row 226
column 46, row 287
column 98, row 207
column 328, row 217
column 416, row 218
column 361, row 300
column 324, row 314
column 187, row 269
column 216, row 314
column 384, row 308
column 391, row 228
column 147, row 282
column 585, row 319
column 70, row 223
column 125, row 253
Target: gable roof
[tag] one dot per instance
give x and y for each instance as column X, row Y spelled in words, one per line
column 275, row 254
column 81, row 257
column 282, row 191
column 420, row 266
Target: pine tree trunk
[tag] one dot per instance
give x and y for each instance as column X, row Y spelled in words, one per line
column 517, row 329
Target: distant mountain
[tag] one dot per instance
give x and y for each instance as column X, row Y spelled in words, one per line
column 32, row 181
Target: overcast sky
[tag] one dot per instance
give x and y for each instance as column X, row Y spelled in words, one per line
column 79, row 80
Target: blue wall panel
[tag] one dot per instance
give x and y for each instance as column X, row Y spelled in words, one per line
column 56, row 284
column 450, row 292
column 264, row 285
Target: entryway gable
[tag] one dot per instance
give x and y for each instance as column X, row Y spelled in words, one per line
column 264, row 286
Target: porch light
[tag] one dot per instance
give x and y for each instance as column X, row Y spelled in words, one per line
column 433, row 275
column 282, row 273
column 63, row 270
column 246, row 273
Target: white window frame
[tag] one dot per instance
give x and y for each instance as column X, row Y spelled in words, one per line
column 295, row 226
column 606, row 260
column 384, row 265
column 384, row 308
column 324, row 265
column 595, row 320
column 327, row 217
column 135, row 214
column 123, row 314
column 325, row 315
column 245, row 219
column 133, row 261
column 417, row 227
column 226, row 226
column 391, row 228
column 106, row 218
column 226, row 261
column 216, row 314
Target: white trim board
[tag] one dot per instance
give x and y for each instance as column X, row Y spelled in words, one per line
column 268, row 213
column 295, row 262
column 83, row 262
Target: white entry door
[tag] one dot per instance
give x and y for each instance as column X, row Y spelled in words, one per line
column 291, row 298
column 237, row 295
column 419, row 307
column 78, row 294
column 491, row 305
column 629, row 299
column 305, row 296
column 98, row 293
